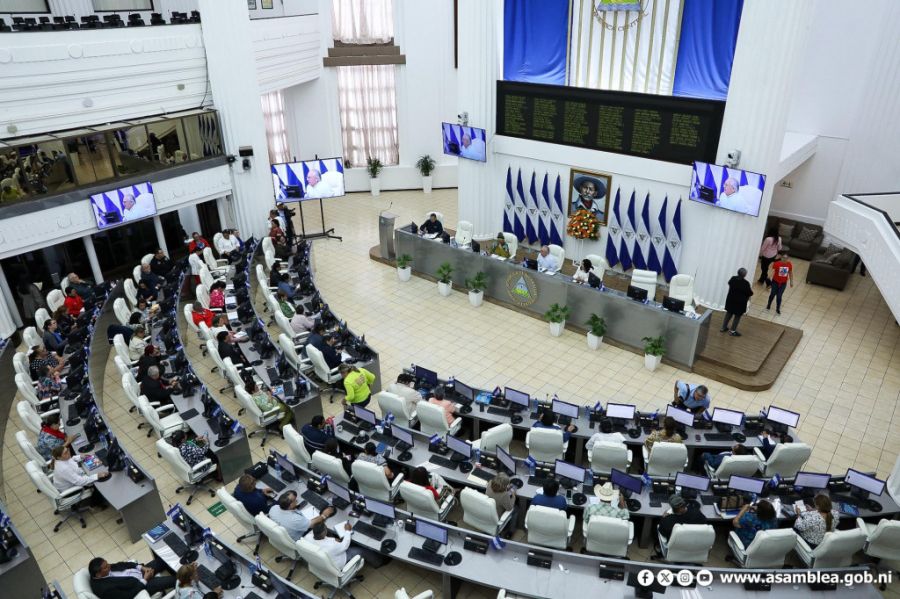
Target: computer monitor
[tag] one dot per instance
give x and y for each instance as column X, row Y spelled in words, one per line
column 507, row 461
column 782, row 416
column 402, row 435
column 812, row 480
column 746, row 484
column 691, row 481
column 626, row 482
column 339, row 491
column 464, row 390
column 564, row 409
column 436, row 535
column 682, row 417
column 365, row 415
column 384, row 512
column 219, row 552
column 429, row 377
column 285, row 464
column 673, row 305
column 569, row 471
column 517, row 397
column 463, row 448
column 732, row 417
column 620, row 410
column 637, row 293
column 864, row 482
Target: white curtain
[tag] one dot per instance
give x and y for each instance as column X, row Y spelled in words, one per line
column 276, row 138
column 368, row 104
column 631, row 51
column 363, row 21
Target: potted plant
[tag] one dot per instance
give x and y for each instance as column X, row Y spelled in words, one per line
column 556, row 316
column 404, row 270
column 654, row 348
column 597, row 327
column 476, row 287
column 374, row 167
column 425, row 164
column 444, row 280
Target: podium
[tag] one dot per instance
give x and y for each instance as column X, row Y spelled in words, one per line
column 386, row 235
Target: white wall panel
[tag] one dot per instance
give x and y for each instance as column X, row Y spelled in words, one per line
column 286, row 50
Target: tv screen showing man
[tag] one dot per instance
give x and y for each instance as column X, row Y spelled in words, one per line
column 123, row 205
column 464, row 142
column 308, row 180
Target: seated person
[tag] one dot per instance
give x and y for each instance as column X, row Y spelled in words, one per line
column 503, row 492
column 73, row 302
column 547, row 261
column 217, row 296
column 667, row 434
column 326, row 345
column 153, row 280
column 694, row 398
column 286, row 514
column 188, row 577
column 197, row 243
column 155, row 389
column 67, row 472
column 437, row 399
column 338, row 545
column 370, row 454
column 548, row 420
column 67, row 324
column 50, row 437
column 144, row 311
column 549, row 497
column 85, row 290
column 193, row 451
column 500, row 247
column 681, row 512
column 161, row 265
column 200, row 314
column 228, row 349
column 53, row 338
column 255, row 500
column 303, row 321
column 146, row 292
column 153, row 357
column 405, row 388
column 265, row 401
column 432, row 226
column 611, row 503
column 614, row 437
column 227, row 244
column 769, row 443
column 287, row 309
column 430, row 481
column 714, row 460
column 138, row 344
column 124, row 580
column 752, row 519
column 47, row 385
column 812, row 524
column 282, row 247
column 40, row 357
column 285, row 287
column 584, row 270
column 333, row 448
column 315, row 434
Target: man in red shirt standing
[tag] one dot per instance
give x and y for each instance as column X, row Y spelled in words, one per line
column 782, row 272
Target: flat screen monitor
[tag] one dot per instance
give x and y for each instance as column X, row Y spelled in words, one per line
column 401, row 434
column 782, row 416
column 864, row 482
column 812, row 480
column 516, row 397
column 746, row 484
column 339, row 491
column 732, row 417
column 625, row 481
column 461, row 447
column 308, row 180
column 636, row 293
column 464, row 390
column 729, row 188
column 682, row 417
column 364, row 415
column 691, row 481
column 123, row 205
column 381, row 508
column 429, row 377
column 570, row 471
column 564, row 409
column 430, row 531
column 219, row 552
column 285, row 464
column 464, row 142
column 620, row 410
column 506, row 460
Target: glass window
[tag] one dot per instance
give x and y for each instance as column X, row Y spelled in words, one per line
column 167, row 142
column 89, row 155
column 16, row 6
column 202, row 134
column 131, row 152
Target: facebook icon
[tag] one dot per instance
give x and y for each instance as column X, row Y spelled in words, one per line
column 646, row 578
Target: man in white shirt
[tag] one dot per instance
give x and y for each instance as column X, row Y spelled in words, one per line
column 135, row 209
column 603, row 438
column 744, row 199
column 404, row 389
column 294, row 522
column 472, row 149
column 547, row 261
column 340, row 550
column 67, row 471
column 196, row 261
column 315, row 187
column 303, row 322
column 227, row 243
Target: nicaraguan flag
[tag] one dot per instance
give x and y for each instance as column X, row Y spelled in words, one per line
column 673, row 245
column 530, row 462
column 509, row 209
column 625, row 238
column 558, row 223
column 545, row 222
column 434, row 439
column 174, row 511
column 637, row 252
column 530, row 213
column 323, row 480
column 498, row 543
column 645, row 478
column 643, row 236
column 613, row 232
column 520, row 207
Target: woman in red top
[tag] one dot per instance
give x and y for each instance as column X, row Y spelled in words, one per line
column 74, row 304
column 420, row 477
column 200, row 314
column 782, row 272
column 197, row 242
column 217, row 295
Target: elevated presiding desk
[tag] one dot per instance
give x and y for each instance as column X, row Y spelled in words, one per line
column 509, row 283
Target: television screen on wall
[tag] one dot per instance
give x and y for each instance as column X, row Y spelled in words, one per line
column 729, row 188
column 123, row 205
column 464, row 142
column 308, row 180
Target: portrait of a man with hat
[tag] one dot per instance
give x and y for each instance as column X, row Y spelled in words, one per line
column 590, row 192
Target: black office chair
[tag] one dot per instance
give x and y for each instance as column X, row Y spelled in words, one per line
column 135, row 20
column 195, row 16
column 4, row 27
column 156, row 19
column 71, row 23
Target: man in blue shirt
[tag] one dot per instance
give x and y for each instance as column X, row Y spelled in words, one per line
column 694, row 398
column 284, row 285
column 255, row 500
column 294, row 522
column 547, row 421
column 314, row 434
column 549, row 497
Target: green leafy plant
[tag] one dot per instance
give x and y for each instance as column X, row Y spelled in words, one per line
column 597, row 325
column 654, row 346
column 557, row 313
column 478, row 282
column 373, row 167
column 403, row 260
column 425, row 164
column 443, row 273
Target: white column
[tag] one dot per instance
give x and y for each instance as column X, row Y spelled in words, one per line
column 770, row 43
column 10, row 318
column 222, row 208
column 160, row 234
column 190, row 219
column 92, row 258
column 235, row 90
column 480, row 53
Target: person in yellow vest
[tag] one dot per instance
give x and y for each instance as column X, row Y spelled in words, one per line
column 356, row 384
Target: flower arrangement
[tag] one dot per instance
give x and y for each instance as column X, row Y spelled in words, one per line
column 583, row 225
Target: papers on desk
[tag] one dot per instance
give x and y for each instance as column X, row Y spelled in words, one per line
column 593, row 500
column 229, row 286
column 496, row 257
column 772, row 440
column 430, row 235
column 232, row 315
column 339, row 529
column 476, row 481
column 345, row 357
column 309, row 512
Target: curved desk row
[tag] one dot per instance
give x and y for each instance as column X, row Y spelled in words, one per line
column 19, row 571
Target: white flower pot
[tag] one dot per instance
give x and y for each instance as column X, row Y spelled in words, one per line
column 594, row 341
column 651, row 362
column 556, row 328
column 476, row 298
column 426, row 184
column 375, row 185
column 444, row 288
column 404, row 273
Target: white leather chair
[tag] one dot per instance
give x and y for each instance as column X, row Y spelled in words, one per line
column 785, row 461
column 202, row 294
column 742, row 465
column 835, row 551
column 55, row 299
column 600, row 264
column 123, row 314
column 146, row 259
column 270, row 260
column 213, row 350
column 262, row 279
column 396, row 405
column 188, row 311
column 20, row 364
column 606, row 455
column 500, row 435
column 31, row 420
column 480, row 512
column 645, row 279
column 207, row 278
column 682, row 287
column 288, row 331
column 240, row 513
column 689, row 544
column 559, row 253
column 322, row 567
column 608, row 536
column 272, row 305
column 191, row 477
column 217, row 237
column 280, row 540
column 432, row 420
column 373, row 482
column 464, row 232
column 232, row 372
column 295, row 443
column 216, row 267
column 332, row 466
column 402, row 594
column 262, row 419
column 41, row 316
column 439, row 215
column 130, row 290
column 882, row 540
column 420, row 502
column 549, row 527
column 26, row 389
column 122, row 349
column 545, row 444
column 159, row 423
column 62, row 501
column 291, row 354
column 124, row 368
column 32, row 337
column 267, row 244
column 512, row 243
column 132, row 391
column 768, row 549
column 30, row 451
column 136, row 274
column 81, row 583
column 329, row 376
column 665, row 459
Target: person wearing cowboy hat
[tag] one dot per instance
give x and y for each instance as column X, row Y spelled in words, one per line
column 500, row 247
column 590, row 194
column 611, row 504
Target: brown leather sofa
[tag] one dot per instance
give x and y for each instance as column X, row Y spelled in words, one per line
column 797, row 243
column 831, row 270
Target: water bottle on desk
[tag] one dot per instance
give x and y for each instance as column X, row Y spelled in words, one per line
column 477, row 456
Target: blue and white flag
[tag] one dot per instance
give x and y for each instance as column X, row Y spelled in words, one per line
column 637, row 252
column 174, row 511
column 659, row 227
column 646, row 480
column 388, row 418
column 521, row 216
column 545, row 217
column 434, row 439
column 531, row 212
column 673, row 245
column 4, row 521
column 706, row 415
column 498, row 543
column 530, row 462
column 774, row 481
column 323, row 480
column 654, row 415
column 509, row 210
column 556, row 232
column 597, row 407
column 643, row 237
column 207, row 534
column 236, row 427
column 625, row 236
column 613, row 233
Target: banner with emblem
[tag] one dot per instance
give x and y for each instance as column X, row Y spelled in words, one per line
column 673, row 245
column 637, row 252
column 542, row 234
column 643, row 233
column 508, row 204
column 657, row 245
column 557, row 214
column 627, row 239
column 531, row 212
column 519, row 208
column 546, row 222
column 613, row 233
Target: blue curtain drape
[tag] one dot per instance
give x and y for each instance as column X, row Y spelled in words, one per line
column 534, row 40
column 709, row 30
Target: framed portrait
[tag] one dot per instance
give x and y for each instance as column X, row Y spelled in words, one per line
column 589, row 190
column 267, row 4
column 251, row 4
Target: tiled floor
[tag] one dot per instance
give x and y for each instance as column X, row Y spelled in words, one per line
column 844, row 379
